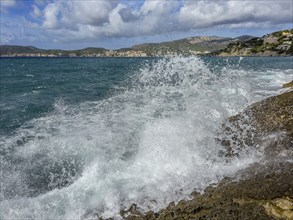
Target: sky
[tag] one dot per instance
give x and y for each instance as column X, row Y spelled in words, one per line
column 113, row 24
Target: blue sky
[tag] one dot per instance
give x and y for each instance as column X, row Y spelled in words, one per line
column 73, row 24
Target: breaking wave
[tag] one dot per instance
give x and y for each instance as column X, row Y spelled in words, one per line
column 150, row 144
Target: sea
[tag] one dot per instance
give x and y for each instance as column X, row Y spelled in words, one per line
column 83, row 138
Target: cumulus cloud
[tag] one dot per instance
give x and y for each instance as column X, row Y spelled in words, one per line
column 70, row 14
column 197, row 14
column 119, row 19
column 79, row 20
column 8, row 3
column 51, row 14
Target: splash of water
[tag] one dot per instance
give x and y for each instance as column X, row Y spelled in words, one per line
column 152, row 142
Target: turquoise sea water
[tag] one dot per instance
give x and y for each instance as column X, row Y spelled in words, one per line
column 94, row 135
column 31, row 86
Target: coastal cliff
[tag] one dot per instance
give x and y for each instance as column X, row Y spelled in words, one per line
column 274, row 44
column 262, row 191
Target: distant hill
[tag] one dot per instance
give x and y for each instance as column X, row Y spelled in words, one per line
column 12, row 50
column 243, row 38
column 193, row 45
column 278, row 43
column 274, row 44
column 89, row 50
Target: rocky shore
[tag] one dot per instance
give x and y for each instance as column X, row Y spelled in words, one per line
column 262, row 191
column 274, row 44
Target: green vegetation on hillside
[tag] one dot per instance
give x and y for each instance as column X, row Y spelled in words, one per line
column 274, row 44
column 277, row 43
column 192, row 45
column 11, row 50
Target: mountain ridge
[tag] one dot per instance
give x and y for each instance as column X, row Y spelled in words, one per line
column 199, row 44
column 273, row 44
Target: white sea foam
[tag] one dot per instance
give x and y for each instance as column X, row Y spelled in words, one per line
column 150, row 145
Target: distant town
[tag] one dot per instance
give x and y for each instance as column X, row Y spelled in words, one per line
column 273, row 44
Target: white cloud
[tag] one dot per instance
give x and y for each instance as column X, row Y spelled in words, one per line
column 65, row 20
column 7, row 3
column 70, row 14
column 51, row 14
column 197, row 14
column 158, row 8
column 111, row 18
column 37, row 13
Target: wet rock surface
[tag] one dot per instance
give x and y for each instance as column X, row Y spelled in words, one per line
column 288, row 85
column 267, row 124
column 262, row 191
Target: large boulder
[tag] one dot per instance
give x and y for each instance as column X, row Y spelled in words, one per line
column 266, row 125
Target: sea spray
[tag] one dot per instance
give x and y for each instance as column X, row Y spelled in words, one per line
column 151, row 143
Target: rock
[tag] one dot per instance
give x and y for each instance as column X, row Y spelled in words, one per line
column 267, row 124
column 264, row 191
column 288, row 85
column 280, row 208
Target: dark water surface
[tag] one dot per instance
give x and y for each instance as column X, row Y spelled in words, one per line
column 30, row 86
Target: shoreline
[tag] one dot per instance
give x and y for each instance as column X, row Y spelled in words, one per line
column 263, row 190
column 255, row 82
column 272, row 44
column 199, row 55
